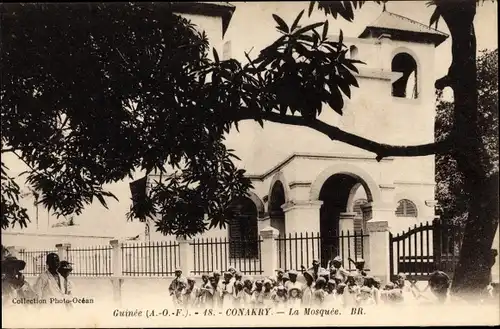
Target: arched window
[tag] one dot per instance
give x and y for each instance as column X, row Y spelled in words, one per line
column 353, row 52
column 406, row 208
column 243, row 231
column 406, row 86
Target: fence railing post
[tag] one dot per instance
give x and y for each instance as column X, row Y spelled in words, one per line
column 269, row 250
column 117, row 268
column 186, row 257
column 62, row 250
column 378, row 260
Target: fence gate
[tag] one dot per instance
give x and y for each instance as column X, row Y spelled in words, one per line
column 425, row 248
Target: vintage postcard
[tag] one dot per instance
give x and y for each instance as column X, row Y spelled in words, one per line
column 180, row 164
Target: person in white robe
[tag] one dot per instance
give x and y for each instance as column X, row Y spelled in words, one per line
column 50, row 284
column 227, row 290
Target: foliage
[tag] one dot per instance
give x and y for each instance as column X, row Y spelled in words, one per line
column 450, row 191
column 344, row 9
column 12, row 212
column 132, row 88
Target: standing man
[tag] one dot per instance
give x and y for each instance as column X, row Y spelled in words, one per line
column 232, row 270
column 50, row 284
column 439, row 282
column 279, row 277
column 293, row 283
column 13, row 283
column 216, row 275
column 227, row 290
column 308, row 288
column 315, row 269
column 360, row 271
column 337, row 271
column 65, row 269
column 176, row 282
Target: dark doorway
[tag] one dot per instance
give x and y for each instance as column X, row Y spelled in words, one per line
column 243, row 232
column 276, row 214
column 335, row 195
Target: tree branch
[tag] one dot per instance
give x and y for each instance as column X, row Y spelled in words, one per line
column 444, row 82
column 11, row 149
column 334, row 133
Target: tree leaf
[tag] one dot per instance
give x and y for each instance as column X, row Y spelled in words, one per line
column 281, row 24
column 311, row 7
column 336, row 101
column 308, row 28
column 435, row 17
column 101, row 200
column 216, row 55
column 325, row 30
column 341, row 41
column 344, row 86
column 297, row 20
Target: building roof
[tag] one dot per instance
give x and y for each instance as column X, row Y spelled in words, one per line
column 403, row 28
column 221, row 9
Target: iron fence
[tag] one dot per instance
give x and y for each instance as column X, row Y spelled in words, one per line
column 35, row 260
column 158, row 258
column 298, row 250
column 90, row 261
column 212, row 254
column 423, row 249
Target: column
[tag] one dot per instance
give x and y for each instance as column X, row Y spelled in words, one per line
column 186, row 256
column 62, row 250
column 117, row 268
column 302, row 242
column 346, row 241
column 377, row 259
column 302, row 216
column 263, row 222
column 269, row 250
column 346, row 222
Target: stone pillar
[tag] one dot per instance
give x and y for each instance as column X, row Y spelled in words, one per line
column 263, row 222
column 62, row 250
column 346, row 222
column 301, row 218
column 117, row 267
column 347, row 245
column 377, row 259
column 269, row 250
column 186, row 256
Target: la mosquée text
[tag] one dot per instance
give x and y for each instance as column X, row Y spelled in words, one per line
column 291, row 311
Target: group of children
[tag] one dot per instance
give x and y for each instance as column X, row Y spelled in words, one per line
column 317, row 287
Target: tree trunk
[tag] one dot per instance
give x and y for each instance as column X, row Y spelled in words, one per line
column 472, row 273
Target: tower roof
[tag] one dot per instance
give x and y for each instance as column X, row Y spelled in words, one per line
column 404, row 29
